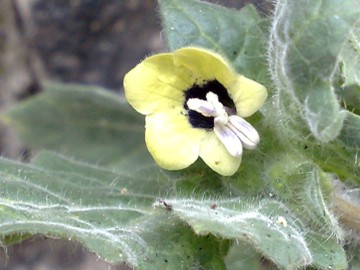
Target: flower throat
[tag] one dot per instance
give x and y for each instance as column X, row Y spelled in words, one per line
column 232, row 130
column 197, row 119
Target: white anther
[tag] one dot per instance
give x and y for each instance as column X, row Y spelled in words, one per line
column 212, row 98
column 211, row 107
column 221, row 120
column 201, row 106
column 246, row 132
column 229, row 139
column 232, row 130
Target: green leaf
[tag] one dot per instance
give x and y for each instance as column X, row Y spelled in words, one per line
column 335, row 157
column 110, row 213
column 238, row 35
column 267, row 225
column 87, row 123
column 339, row 157
column 35, row 201
column 305, row 97
column 350, row 134
column 306, row 191
column 306, row 41
column 148, row 180
column 326, row 252
column 243, row 256
column 256, row 224
column 350, row 57
column 350, row 98
column 175, row 246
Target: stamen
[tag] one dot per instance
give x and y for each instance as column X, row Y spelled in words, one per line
column 229, row 139
column 245, row 131
column 212, row 98
column 221, row 120
column 227, row 128
column 211, row 107
column 201, row 106
column 232, row 130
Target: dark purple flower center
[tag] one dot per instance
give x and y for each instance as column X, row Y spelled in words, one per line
column 196, row 119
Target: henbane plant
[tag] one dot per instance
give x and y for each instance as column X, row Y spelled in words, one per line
column 95, row 182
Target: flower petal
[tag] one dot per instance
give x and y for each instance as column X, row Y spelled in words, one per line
column 215, row 155
column 205, row 65
column 247, row 95
column 172, row 141
column 156, row 84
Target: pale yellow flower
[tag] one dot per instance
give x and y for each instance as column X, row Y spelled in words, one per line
column 194, row 104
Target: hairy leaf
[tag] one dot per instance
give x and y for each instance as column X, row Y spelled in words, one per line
column 83, row 122
column 350, row 134
column 306, row 190
column 236, row 34
column 109, row 213
column 350, row 57
column 306, row 41
column 243, row 256
column 326, row 252
column 268, row 226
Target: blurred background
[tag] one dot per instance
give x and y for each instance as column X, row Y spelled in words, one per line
column 92, row 42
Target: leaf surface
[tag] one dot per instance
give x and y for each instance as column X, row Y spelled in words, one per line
column 236, row 34
column 110, row 213
column 86, row 123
